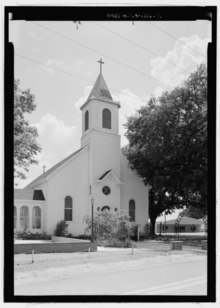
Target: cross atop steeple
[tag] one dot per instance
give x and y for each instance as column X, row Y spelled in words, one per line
column 101, row 62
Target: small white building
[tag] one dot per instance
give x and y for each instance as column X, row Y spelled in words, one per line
column 98, row 169
column 186, row 225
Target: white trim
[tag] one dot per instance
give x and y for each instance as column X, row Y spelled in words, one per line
column 117, row 103
column 30, row 201
column 38, row 183
column 106, row 131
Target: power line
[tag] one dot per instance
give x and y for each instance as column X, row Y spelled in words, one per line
column 125, row 38
column 49, row 66
column 176, row 39
column 72, row 75
column 138, row 45
column 95, row 51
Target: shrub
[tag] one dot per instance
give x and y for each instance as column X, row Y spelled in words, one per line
column 61, row 228
column 104, row 224
column 109, row 226
column 23, row 235
column 147, row 228
column 113, row 242
column 123, row 228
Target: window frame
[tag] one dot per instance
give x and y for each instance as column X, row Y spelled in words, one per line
column 68, row 208
column 22, row 218
column 132, row 211
column 106, row 190
column 36, row 219
column 86, row 120
column 106, row 118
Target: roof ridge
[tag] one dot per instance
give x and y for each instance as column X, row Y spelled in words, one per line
column 52, row 169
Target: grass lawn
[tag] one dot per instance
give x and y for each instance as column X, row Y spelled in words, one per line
column 47, row 267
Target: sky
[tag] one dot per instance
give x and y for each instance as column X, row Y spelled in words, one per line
column 58, row 62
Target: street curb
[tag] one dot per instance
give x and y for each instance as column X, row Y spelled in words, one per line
column 195, row 250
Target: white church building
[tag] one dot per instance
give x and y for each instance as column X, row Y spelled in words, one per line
column 98, row 170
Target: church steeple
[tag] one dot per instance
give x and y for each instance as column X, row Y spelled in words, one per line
column 100, row 90
column 100, row 111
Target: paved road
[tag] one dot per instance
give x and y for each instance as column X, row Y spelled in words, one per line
column 167, row 279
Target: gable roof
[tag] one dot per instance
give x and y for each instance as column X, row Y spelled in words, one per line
column 185, row 221
column 28, row 194
column 52, row 169
column 23, row 194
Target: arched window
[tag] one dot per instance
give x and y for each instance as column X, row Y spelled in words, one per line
column 15, row 217
column 86, row 120
column 68, row 209
column 106, row 208
column 36, row 217
column 24, row 217
column 106, row 118
column 132, row 210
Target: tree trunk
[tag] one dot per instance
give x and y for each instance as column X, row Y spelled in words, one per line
column 152, row 226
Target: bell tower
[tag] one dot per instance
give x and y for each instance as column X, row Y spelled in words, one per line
column 100, row 128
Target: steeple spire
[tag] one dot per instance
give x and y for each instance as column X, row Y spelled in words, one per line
column 100, row 89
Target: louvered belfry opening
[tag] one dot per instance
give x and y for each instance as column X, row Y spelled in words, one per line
column 106, row 118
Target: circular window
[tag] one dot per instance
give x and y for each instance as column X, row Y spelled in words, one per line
column 106, row 190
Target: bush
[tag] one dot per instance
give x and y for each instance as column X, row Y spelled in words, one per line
column 113, row 242
column 112, row 227
column 123, row 228
column 27, row 235
column 147, row 229
column 61, row 228
column 134, row 233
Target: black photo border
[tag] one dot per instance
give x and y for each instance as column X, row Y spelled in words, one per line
column 86, row 13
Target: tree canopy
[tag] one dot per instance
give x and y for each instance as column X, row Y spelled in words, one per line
column 168, row 146
column 194, row 212
column 25, row 136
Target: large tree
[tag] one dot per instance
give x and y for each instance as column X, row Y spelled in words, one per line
column 168, row 146
column 194, row 212
column 25, row 136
